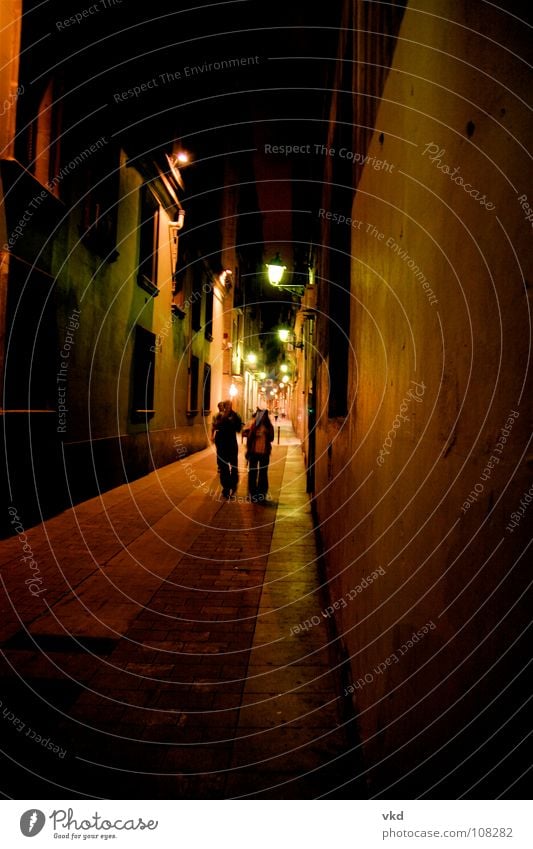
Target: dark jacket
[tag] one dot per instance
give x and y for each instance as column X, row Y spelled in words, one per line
column 226, row 428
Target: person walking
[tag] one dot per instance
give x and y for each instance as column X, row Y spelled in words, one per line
column 226, row 425
column 260, row 436
column 216, row 420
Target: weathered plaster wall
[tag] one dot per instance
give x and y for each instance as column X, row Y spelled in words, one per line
column 99, row 428
column 432, row 382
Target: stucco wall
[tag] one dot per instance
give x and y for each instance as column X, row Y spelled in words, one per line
column 84, row 347
column 441, row 346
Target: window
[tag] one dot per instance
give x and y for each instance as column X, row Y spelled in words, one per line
column 44, row 134
column 148, row 241
column 143, row 367
column 98, row 185
column 99, row 214
column 236, row 352
column 29, row 379
column 206, row 405
column 37, row 142
column 194, row 372
column 209, row 296
column 178, row 294
column 179, row 265
column 196, row 297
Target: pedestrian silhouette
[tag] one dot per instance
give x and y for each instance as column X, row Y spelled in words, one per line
column 226, row 425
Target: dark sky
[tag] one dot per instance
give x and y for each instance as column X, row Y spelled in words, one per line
column 168, row 48
column 218, row 77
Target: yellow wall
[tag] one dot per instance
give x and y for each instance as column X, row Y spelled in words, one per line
column 468, row 353
column 10, row 19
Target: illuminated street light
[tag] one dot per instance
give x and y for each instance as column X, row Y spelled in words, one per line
column 176, row 160
column 287, row 335
column 284, row 367
column 275, row 269
column 233, row 391
column 251, row 359
column 285, row 378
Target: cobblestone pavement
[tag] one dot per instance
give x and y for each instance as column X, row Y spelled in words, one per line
column 155, row 657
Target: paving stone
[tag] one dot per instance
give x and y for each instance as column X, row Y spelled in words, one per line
column 182, row 678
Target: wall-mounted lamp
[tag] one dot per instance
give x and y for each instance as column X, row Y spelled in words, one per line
column 276, row 269
column 286, row 335
column 173, row 165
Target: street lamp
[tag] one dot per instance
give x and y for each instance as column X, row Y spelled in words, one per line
column 251, row 359
column 275, row 269
column 287, row 335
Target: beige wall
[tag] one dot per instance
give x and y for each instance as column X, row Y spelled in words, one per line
column 10, row 15
column 10, row 18
column 467, row 351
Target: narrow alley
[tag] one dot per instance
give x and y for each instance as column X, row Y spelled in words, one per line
column 221, row 217
column 199, row 678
